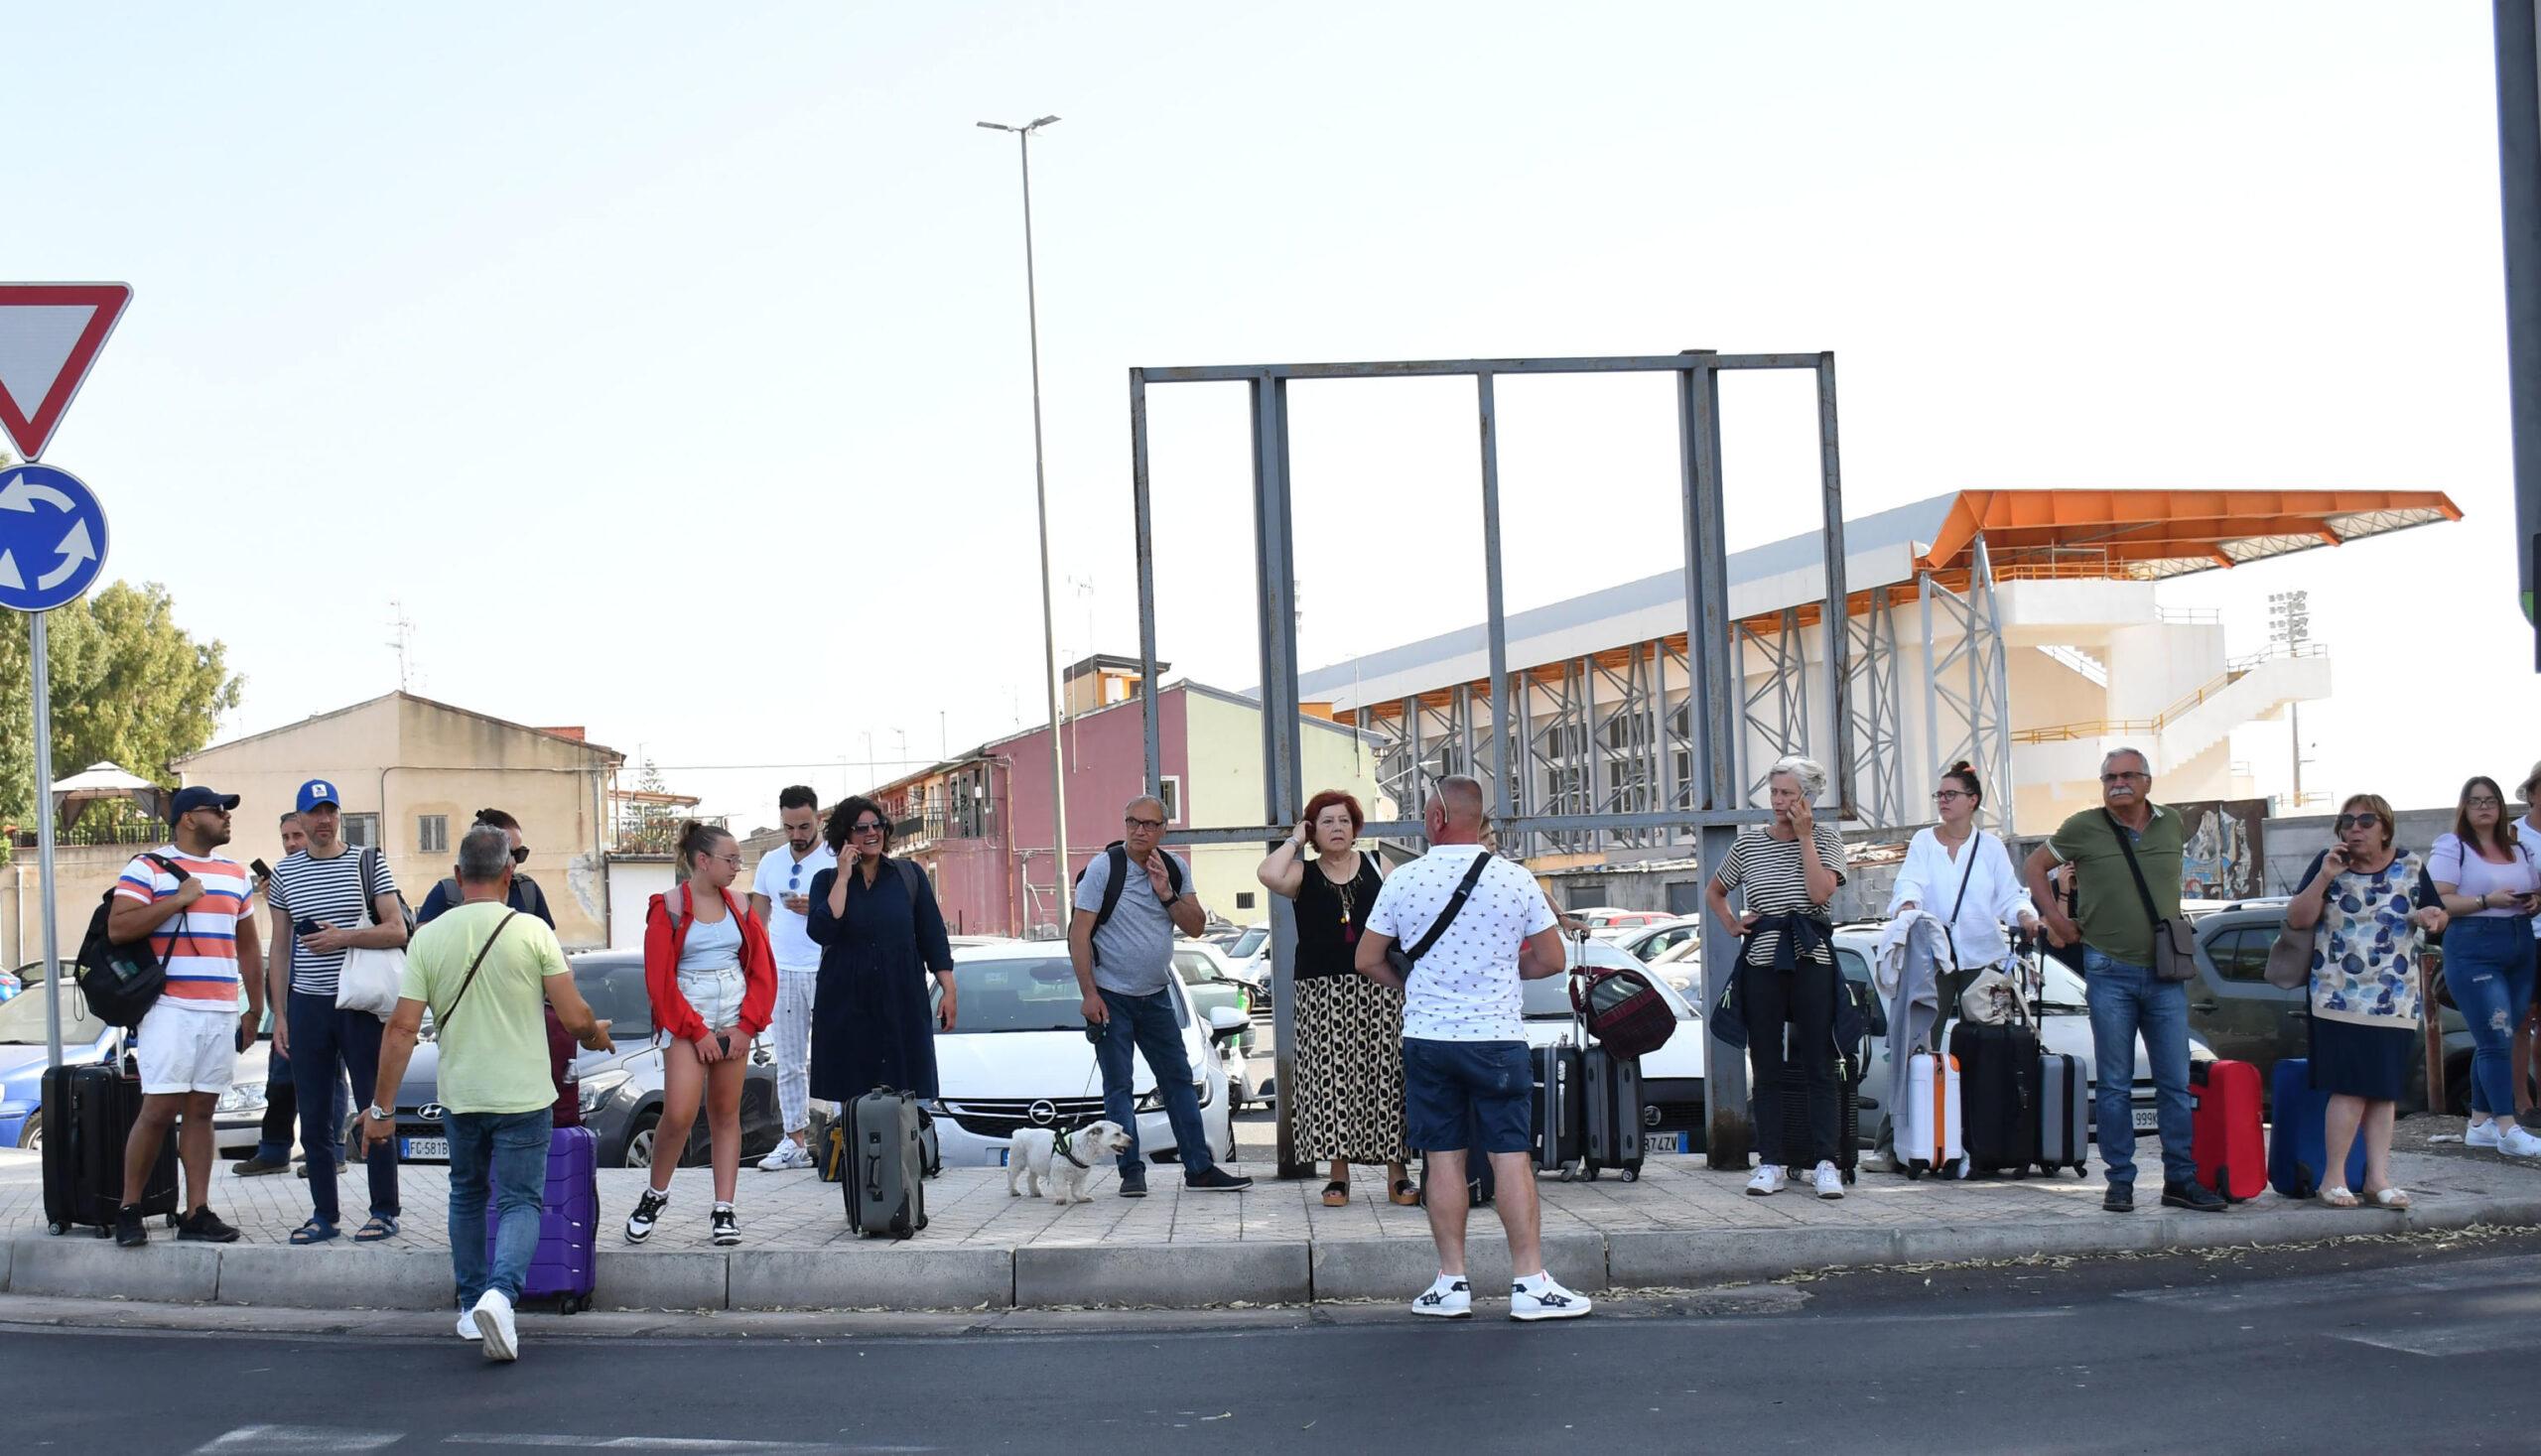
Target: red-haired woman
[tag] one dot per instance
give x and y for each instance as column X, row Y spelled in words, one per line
column 1348, row 1100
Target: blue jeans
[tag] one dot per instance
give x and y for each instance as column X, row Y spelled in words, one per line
column 281, row 1108
column 1147, row 1023
column 328, row 1044
column 2487, row 961
column 509, row 1151
column 2127, row 1001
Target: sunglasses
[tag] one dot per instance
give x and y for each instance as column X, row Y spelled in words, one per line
column 521, row 854
column 869, row 826
column 2346, row 821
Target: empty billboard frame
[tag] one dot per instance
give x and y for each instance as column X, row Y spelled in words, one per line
column 1711, row 805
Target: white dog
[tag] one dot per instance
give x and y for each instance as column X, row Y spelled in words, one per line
column 1036, row 1154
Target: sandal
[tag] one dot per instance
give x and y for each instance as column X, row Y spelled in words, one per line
column 380, row 1227
column 2336, row 1196
column 1405, row 1195
column 1335, row 1194
column 315, row 1231
column 2389, row 1198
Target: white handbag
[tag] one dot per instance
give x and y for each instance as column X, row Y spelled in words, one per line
column 371, row 978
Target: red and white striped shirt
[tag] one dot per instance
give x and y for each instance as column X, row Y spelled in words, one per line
column 200, row 942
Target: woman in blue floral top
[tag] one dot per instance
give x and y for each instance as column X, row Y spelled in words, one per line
column 2370, row 907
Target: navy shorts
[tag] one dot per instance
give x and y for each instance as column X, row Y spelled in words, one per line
column 1470, row 1095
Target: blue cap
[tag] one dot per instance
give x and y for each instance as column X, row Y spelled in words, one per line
column 187, row 800
column 316, row 792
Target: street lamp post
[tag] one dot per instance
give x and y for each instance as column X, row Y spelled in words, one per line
column 1041, row 502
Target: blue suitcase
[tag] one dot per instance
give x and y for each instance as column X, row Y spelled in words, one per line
column 566, row 1266
column 2298, row 1141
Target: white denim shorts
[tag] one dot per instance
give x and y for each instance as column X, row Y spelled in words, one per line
column 716, row 995
column 183, row 1050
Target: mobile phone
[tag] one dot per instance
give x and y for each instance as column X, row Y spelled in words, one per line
column 304, row 926
column 263, row 869
column 723, row 1040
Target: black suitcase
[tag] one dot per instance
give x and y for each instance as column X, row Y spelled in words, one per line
column 1612, row 1090
column 1794, row 1116
column 1559, row 1125
column 884, row 1174
column 89, row 1113
column 1999, row 1077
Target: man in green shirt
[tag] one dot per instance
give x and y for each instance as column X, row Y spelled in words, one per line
column 488, row 972
column 2127, row 999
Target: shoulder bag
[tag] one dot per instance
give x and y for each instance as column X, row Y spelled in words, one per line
column 2289, row 956
column 1401, row 960
column 2174, row 942
column 371, row 978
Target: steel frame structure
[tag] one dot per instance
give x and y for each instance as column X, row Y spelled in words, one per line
column 1979, row 711
column 1707, row 800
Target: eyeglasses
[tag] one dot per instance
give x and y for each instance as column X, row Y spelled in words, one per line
column 2346, row 821
column 1952, row 794
column 869, row 826
column 2119, row 778
column 521, row 854
column 733, row 860
column 2482, row 801
column 1136, row 822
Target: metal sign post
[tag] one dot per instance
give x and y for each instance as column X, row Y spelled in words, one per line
column 52, row 534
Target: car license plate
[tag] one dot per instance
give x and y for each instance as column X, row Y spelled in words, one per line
column 424, row 1147
column 2147, row 1118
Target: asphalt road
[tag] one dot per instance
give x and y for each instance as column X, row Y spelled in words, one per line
column 2406, row 1346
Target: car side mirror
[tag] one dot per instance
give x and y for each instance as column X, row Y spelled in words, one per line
column 1226, row 1022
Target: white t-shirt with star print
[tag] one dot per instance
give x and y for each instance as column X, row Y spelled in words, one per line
column 1466, row 987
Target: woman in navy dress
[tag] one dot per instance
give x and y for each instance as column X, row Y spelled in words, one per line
column 875, row 921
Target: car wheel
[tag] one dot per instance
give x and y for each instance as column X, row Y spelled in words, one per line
column 31, row 1137
column 639, row 1142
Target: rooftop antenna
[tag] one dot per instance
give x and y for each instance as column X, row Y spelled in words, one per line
column 403, row 642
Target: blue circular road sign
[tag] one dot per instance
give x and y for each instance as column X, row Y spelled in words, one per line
column 52, row 538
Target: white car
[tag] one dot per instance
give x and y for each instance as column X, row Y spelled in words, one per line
column 1650, row 942
column 1018, row 1057
column 1672, row 1078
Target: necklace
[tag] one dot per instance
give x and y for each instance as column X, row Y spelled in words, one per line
column 1345, row 891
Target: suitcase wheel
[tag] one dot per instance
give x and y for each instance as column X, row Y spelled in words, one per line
column 56, row 1229
column 571, row 1304
column 1632, row 1173
column 1915, row 1170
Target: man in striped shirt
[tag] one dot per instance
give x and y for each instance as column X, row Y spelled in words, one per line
column 191, row 905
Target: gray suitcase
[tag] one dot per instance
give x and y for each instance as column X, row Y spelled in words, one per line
column 2064, row 1114
column 884, row 1178
column 1557, row 1112
column 1613, row 1093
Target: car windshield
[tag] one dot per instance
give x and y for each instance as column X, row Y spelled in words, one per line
column 614, row 985
column 1249, row 942
column 1194, row 968
column 22, row 1018
column 1017, row 993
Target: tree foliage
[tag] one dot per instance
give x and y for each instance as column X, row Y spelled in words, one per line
column 129, row 687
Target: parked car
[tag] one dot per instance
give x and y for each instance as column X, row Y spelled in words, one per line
column 1672, row 1078
column 1210, row 980
column 1682, row 966
column 2234, row 1009
column 1650, row 942
column 1249, row 957
column 14, row 981
column 2064, row 1026
column 1608, row 917
column 620, row 1091
column 85, row 1039
column 1018, row 1058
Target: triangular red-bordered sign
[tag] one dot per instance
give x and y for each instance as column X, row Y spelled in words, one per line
column 46, row 351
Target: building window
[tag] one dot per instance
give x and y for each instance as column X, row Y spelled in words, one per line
column 432, row 834
column 361, row 831
column 1244, row 899
column 1169, row 789
column 1685, row 897
column 1587, row 896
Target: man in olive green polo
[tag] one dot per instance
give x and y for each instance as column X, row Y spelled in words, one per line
column 2126, row 998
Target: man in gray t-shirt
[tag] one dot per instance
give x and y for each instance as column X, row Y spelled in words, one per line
column 1123, row 967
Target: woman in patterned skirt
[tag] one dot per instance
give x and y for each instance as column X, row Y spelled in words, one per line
column 1349, row 1056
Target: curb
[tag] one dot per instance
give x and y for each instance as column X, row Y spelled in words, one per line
column 914, row 1277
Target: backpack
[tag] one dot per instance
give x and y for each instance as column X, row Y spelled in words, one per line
column 1119, row 854
column 122, row 982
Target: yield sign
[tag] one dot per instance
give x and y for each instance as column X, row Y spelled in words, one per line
column 50, row 334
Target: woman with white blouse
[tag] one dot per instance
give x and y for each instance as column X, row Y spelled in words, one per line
column 1965, row 878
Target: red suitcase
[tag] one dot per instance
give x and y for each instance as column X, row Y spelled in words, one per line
column 2231, row 1154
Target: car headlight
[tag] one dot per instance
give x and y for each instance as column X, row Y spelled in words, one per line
column 1153, row 1102
column 597, row 1088
column 243, row 1097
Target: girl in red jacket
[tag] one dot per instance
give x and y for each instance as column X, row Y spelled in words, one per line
column 713, row 983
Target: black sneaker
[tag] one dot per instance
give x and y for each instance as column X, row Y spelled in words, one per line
column 1216, row 1180
column 256, row 1167
column 727, row 1226
column 2120, row 1198
column 2194, row 1196
column 648, row 1209
column 203, row 1226
column 1133, row 1183
column 130, row 1233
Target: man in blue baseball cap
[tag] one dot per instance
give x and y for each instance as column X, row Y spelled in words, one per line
column 325, row 902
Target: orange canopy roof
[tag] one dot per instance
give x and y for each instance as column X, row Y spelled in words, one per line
column 2143, row 535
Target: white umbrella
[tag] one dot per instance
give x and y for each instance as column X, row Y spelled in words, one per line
column 103, row 781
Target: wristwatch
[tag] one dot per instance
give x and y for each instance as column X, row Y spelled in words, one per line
column 378, row 1114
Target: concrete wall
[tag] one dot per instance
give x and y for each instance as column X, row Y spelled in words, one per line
column 81, row 874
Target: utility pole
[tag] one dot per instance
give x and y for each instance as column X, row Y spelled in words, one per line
column 2520, row 210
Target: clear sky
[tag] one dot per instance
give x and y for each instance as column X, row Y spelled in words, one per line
column 669, row 367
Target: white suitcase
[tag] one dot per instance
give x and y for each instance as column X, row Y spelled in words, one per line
column 1930, row 1137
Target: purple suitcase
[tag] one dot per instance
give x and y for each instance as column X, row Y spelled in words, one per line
column 567, row 1261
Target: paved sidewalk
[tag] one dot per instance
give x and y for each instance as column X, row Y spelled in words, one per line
column 1681, row 1225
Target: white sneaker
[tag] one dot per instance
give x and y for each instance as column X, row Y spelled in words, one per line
column 788, row 1154
column 467, row 1325
column 1768, row 1180
column 1881, row 1163
column 1830, row 1181
column 493, row 1317
column 2482, row 1134
column 1448, row 1299
column 2516, row 1143
column 1542, row 1298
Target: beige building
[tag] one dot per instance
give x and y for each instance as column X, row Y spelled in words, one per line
column 413, row 774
